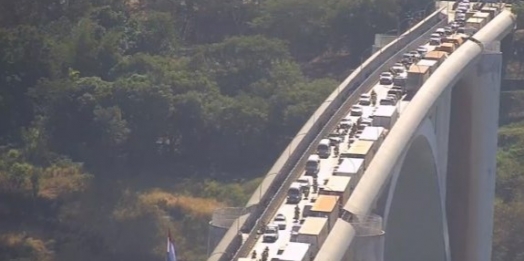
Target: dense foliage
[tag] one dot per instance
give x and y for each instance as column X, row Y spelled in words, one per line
column 122, row 119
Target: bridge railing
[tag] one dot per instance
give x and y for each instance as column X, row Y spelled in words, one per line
column 273, row 189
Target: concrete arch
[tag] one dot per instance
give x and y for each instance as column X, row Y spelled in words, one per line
column 412, row 234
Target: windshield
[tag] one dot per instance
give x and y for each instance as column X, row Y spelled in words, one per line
column 311, row 164
column 280, row 218
column 293, row 192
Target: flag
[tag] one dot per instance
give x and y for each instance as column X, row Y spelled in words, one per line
column 171, row 256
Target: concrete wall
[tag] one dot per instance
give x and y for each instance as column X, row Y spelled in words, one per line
column 271, row 192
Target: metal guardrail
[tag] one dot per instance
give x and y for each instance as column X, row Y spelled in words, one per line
column 375, row 63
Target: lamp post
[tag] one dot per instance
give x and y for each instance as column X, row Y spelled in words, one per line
column 262, row 185
column 290, row 147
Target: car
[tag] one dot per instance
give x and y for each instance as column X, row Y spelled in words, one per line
column 386, row 78
column 435, row 41
column 436, row 36
column 280, row 221
column 398, row 69
column 304, row 184
column 356, row 110
column 333, row 141
column 415, row 54
column 461, row 30
column 395, row 92
column 270, row 233
column 387, row 101
column 295, row 228
column 422, row 50
column 366, row 122
column 365, row 99
column 440, row 31
column 448, row 30
column 455, row 25
column 392, row 97
column 400, row 80
column 460, row 17
column 345, row 123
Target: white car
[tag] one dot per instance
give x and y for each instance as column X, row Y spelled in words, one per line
column 422, row 50
column 415, row 54
column 435, row 41
column 398, row 69
column 440, row 31
column 270, row 233
column 356, row 110
column 280, row 221
column 365, row 99
column 387, row 101
column 386, row 78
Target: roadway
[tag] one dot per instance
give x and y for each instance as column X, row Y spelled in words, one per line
column 326, row 169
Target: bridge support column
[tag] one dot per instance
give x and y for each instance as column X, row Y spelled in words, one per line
column 472, row 160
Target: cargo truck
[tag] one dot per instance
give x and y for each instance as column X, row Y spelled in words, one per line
column 449, row 48
column 314, row 232
column 474, row 24
column 374, row 133
column 436, row 55
column 361, row 149
column 350, row 167
column 327, row 206
column 417, row 75
column 432, row 64
column 456, row 40
column 492, row 11
column 294, row 251
column 385, row 116
column 339, row 186
column 485, row 16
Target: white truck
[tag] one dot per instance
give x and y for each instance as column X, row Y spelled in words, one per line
column 431, row 64
column 294, row 251
column 374, row 133
column 340, row 186
column 385, row 116
column 324, row 148
column 350, row 167
column 314, row 232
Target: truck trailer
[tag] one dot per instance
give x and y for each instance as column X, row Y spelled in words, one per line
column 314, row 232
column 417, row 75
column 385, row 116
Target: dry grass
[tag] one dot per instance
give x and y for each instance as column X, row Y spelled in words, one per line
column 21, row 241
column 58, row 181
column 197, row 207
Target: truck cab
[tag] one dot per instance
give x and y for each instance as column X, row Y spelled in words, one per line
column 312, row 165
column 324, row 148
column 294, row 193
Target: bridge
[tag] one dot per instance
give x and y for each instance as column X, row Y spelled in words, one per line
column 427, row 190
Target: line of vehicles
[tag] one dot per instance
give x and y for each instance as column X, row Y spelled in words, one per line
column 315, row 199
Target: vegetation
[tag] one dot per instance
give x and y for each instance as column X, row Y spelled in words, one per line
column 121, row 119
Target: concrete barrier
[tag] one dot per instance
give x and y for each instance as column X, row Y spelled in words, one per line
column 272, row 191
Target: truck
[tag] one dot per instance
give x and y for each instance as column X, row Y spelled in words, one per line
column 449, row 48
column 436, row 55
column 362, row 149
column 294, row 193
column 324, row 148
column 339, row 186
column 327, row 206
column 374, row 133
column 294, row 251
column 313, row 231
column 350, row 167
column 417, row 75
column 455, row 39
column 492, row 11
column 486, row 16
column 385, row 116
column 474, row 24
column 432, row 64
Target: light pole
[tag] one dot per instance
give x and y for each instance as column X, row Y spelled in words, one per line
column 296, row 136
column 262, row 185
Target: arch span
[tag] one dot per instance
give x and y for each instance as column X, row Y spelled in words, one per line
column 412, row 234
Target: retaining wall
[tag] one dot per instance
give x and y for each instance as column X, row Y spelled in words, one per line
column 273, row 189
